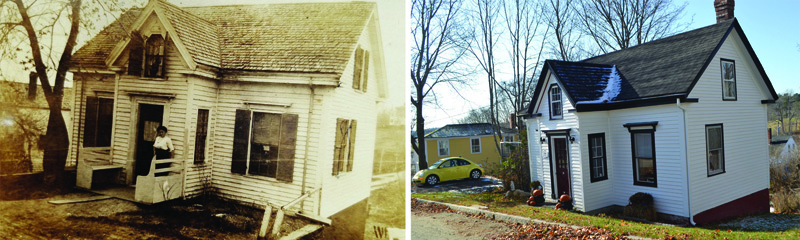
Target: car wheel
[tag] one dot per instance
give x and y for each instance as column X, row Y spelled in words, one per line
column 475, row 174
column 432, row 180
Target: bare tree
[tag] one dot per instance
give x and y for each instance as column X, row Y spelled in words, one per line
column 42, row 36
column 433, row 56
column 619, row 24
column 560, row 17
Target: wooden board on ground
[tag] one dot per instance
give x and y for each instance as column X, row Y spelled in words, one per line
column 87, row 199
column 310, row 228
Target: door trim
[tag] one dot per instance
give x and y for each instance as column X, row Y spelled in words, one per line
column 552, row 134
column 134, row 128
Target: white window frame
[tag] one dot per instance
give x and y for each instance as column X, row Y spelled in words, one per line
column 507, row 137
column 727, row 95
column 472, row 146
column 551, row 95
column 443, row 144
column 721, row 150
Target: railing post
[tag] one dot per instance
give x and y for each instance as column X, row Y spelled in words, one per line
column 265, row 221
column 276, row 228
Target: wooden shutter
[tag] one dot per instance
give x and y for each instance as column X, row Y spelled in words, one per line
column 287, row 148
column 352, row 145
column 90, row 122
column 365, row 79
column 358, row 62
column 105, row 118
column 135, row 56
column 339, row 144
column 241, row 139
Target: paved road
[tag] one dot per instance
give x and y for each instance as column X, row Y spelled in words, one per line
column 455, row 185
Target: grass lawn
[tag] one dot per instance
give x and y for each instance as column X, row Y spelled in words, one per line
column 497, row 204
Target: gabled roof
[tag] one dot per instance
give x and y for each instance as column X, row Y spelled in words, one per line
column 461, row 130
column 293, row 37
column 654, row 72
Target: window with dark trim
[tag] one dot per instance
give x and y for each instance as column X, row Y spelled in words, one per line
column 97, row 122
column 201, row 134
column 728, row 79
column 264, row 144
column 644, row 157
column 360, row 69
column 597, row 157
column 147, row 57
column 555, row 102
column 715, row 148
column 343, row 150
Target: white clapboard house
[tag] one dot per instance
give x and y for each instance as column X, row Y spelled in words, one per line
column 683, row 118
column 265, row 104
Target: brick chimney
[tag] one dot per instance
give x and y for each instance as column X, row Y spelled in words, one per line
column 724, row 9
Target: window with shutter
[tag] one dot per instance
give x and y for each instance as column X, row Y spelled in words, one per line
column 98, row 120
column 360, row 69
column 264, row 144
column 344, row 146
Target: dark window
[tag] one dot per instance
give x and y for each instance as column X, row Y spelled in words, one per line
column 135, row 55
column 728, row 79
column 264, row 146
column 360, row 69
column 644, row 157
column 98, row 119
column 597, row 157
column 154, row 56
column 716, row 149
column 555, row 102
column 344, row 147
column 201, row 134
column 462, row 162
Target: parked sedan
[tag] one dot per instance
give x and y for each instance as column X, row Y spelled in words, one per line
column 448, row 169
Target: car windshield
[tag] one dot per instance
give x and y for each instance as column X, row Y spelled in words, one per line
column 435, row 165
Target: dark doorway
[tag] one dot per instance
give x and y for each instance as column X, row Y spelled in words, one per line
column 150, row 117
column 561, row 157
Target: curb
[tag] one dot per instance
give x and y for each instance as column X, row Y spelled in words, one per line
column 508, row 217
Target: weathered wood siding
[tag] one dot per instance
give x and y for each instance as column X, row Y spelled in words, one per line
column 744, row 124
column 203, row 95
column 85, row 84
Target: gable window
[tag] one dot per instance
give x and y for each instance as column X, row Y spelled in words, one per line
column 147, row 56
column 475, row 145
column 728, row 79
column 360, row 69
column 200, row 136
column 264, row 144
column 97, row 122
column 509, row 138
column 444, row 148
column 597, row 157
column 343, row 150
column 644, row 157
column 715, row 148
column 555, row 102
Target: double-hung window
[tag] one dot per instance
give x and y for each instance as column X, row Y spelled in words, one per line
column 715, row 149
column 98, row 119
column 475, row 145
column 555, row 102
column 728, row 79
column 597, row 157
column 264, row 144
column 444, row 148
column 200, row 136
column 147, row 56
column 644, row 157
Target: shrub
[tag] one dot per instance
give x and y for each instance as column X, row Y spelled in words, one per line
column 785, row 201
column 784, row 174
column 640, row 205
column 641, row 199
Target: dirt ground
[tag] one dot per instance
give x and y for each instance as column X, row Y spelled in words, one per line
column 447, row 225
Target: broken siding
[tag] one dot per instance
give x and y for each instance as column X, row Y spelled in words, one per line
column 260, row 189
column 744, row 126
column 91, row 84
column 346, row 189
column 125, row 126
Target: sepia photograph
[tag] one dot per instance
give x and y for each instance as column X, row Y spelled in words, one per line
column 174, row 119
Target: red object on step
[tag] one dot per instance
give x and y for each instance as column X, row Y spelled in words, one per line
column 564, row 198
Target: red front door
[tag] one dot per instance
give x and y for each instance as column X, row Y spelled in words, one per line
column 561, row 157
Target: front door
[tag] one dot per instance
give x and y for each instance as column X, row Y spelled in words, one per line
column 150, row 117
column 560, row 154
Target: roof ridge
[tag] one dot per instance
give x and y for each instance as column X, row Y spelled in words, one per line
column 186, row 12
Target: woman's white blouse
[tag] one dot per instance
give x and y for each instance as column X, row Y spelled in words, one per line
column 164, row 143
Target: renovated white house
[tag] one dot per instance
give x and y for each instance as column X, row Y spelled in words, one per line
column 682, row 118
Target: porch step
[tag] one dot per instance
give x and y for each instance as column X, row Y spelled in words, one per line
column 310, row 228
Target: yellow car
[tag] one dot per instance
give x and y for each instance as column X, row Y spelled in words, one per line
column 448, row 169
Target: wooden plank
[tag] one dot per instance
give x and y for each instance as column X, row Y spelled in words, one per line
column 104, row 167
column 305, row 230
column 316, row 218
column 88, row 199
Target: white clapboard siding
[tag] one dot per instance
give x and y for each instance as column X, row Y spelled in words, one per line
column 340, row 192
column 744, row 130
column 670, row 194
column 601, row 193
column 260, row 189
column 203, row 95
column 86, row 84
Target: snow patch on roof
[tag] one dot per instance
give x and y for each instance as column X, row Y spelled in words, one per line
column 612, row 89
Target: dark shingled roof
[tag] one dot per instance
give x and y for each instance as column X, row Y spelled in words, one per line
column 583, row 81
column 461, row 130
column 293, row 37
column 668, row 65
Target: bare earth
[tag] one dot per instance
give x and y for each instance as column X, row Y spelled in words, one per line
column 454, row 226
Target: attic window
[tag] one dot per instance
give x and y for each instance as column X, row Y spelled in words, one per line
column 728, row 79
column 147, row 56
column 360, row 69
column 555, row 102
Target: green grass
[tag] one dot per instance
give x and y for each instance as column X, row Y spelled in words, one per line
column 497, row 204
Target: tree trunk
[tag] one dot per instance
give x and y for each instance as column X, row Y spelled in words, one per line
column 423, row 161
column 56, row 146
